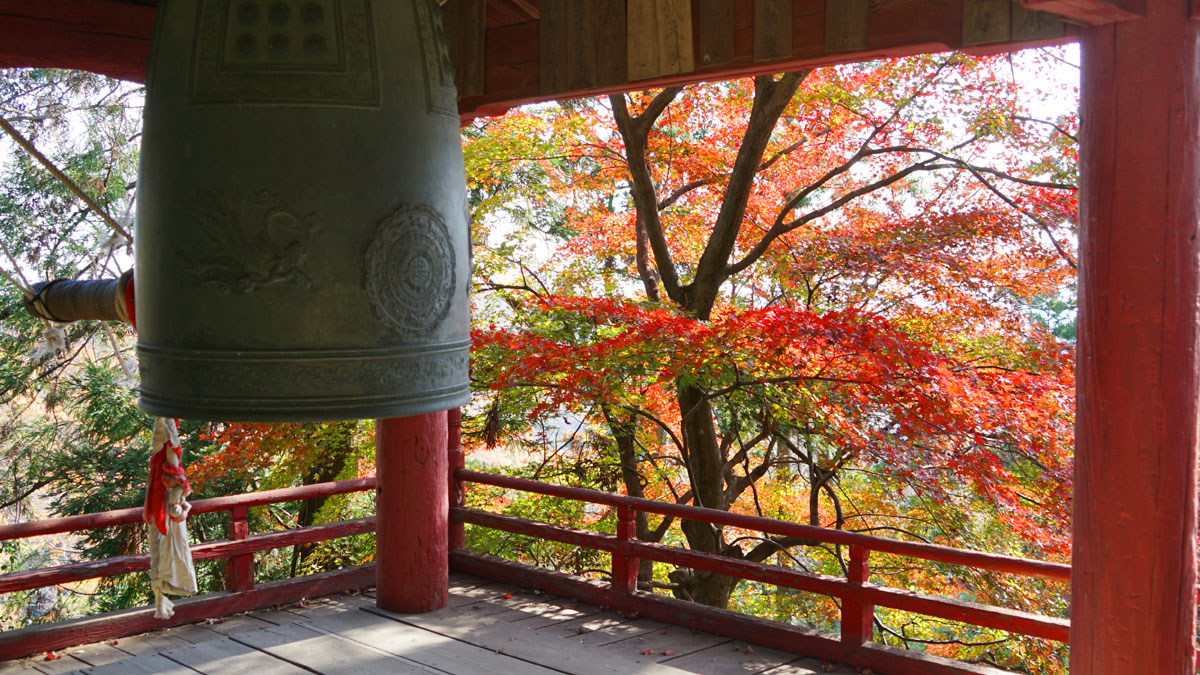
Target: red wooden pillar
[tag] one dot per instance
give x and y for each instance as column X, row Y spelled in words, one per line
column 239, row 570
column 858, row 617
column 1133, row 583
column 412, row 505
column 625, row 568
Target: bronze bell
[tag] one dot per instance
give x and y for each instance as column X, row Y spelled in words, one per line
column 302, row 241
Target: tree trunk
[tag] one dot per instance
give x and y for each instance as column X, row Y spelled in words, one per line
column 327, row 466
column 704, row 465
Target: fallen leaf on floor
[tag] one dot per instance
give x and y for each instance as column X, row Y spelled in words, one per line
column 668, row 652
column 51, row 656
column 647, row 652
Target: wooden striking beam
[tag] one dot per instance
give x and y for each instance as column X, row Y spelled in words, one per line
column 1133, row 591
column 1091, row 12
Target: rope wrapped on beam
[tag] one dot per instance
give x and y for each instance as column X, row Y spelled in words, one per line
column 64, row 300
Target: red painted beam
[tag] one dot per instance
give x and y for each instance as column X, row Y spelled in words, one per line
column 1133, row 591
column 15, row 644
column 91, row 521
column 945, row 554
column 95, row 569
column 1091, row 12
column 102, row 36
column 412, row 505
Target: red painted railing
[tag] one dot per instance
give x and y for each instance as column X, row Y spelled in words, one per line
column 242, row 593
column 858, row 596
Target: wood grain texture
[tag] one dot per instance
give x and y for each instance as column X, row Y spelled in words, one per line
column 471, row 36
column 772, row 29
column 1028, row 24
column 425, row 647
column 986, row 21
column 642, row 39
column 846, row 25
column 612, row 55
column 1133, row 593
column 227, row 657
column 581, row 44
column 553, row 39
column 716, row 28
column 675, row 42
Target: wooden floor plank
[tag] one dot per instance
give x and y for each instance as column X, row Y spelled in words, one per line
column 487, row 628
column 21, row 667
column 558, row 615
column 585, row 624
column 328, row 655
column 804, row 666
column 150, row 643
column 65, row 663
column 193, row 633
column 146, row 664
column 737, row 658
column 668, row 643
column 425, row 647
column 98, row 654
column 477, row 594
column 331, row 605
column 528, row 645
column 227, row 657
column 233, row 625
column 630, row 628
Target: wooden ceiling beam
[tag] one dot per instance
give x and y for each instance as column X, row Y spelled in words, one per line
column 641, row 44
column 588, row 47
column 104, row 36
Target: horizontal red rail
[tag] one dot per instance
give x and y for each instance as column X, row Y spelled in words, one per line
column 63, row 574
column 1015, row 621
column 931, row 552
column 93, row 521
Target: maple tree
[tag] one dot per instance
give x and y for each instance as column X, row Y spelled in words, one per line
column 805, row 296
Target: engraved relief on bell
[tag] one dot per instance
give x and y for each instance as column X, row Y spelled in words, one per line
column 302, row 232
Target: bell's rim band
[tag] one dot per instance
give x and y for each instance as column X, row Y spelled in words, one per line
column 304, row 355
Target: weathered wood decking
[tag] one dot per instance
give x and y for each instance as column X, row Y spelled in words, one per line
column 488, row 629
